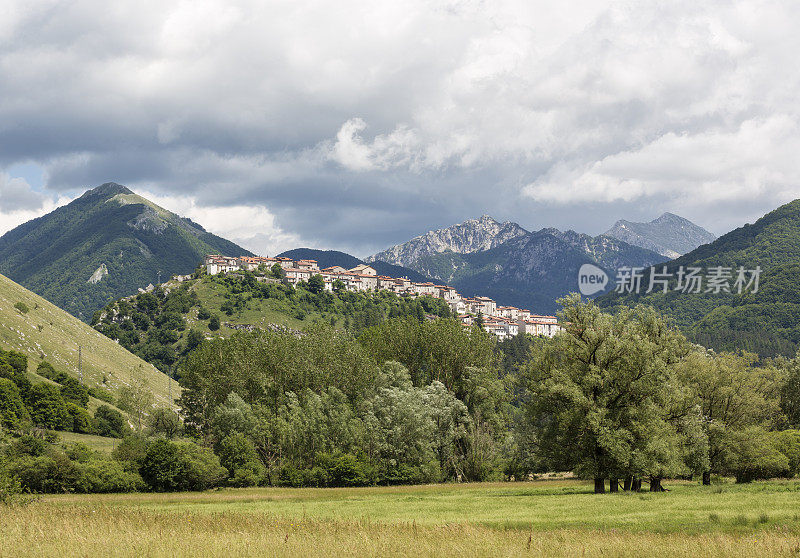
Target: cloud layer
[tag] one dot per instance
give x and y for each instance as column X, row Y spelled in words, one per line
column 360, row 124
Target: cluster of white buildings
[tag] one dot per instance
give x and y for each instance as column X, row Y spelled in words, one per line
column 502, row 321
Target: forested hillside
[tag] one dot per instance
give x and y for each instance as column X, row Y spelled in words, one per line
column 767, row 321
column 162, row 326
column 106, row 244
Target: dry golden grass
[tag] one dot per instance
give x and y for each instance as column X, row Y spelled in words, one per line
column 555, row 518
column 42, row 529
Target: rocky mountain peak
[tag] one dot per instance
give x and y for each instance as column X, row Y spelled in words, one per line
column 473, row 235
column 670, row 235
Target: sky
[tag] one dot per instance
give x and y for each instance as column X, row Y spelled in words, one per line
column 359, row 125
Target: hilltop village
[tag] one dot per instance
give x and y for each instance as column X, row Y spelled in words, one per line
column 501, row 321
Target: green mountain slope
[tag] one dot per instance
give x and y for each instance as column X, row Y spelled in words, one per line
column 31, row 325
column 327, row 258
column 768, row 321
column 102, row 246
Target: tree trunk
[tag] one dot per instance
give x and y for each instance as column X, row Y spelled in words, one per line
column 627, row 483
column 655, row 485
column 599, row 485
column 613, row 485
column 637, row 484
column 706, row 478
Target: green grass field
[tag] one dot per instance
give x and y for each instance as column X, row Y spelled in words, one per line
column 545, row 518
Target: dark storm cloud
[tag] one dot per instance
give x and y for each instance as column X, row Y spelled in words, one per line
column 296, row 123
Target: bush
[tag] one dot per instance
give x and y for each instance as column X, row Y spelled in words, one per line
column 162, row 467
column 201, row 468
column 238, row 455
column 11, row 491
column 213, row 323
column 48, row 408
column 343, row 470
column 109, row 422
column 203, row 314
column 81, row 419
column 171, row 466
column 131, row 452
column 13, row 413
column 106, row 475
column 22, row 307
column 74, row 391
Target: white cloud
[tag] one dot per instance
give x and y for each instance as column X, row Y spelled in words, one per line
column 252, row 227
column 19, row 203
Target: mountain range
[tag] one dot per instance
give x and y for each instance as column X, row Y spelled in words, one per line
column 104, row 245
column 532, row 269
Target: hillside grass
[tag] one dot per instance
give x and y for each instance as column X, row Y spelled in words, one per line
column 99, row 443
column 545, row 518
column 45, row 332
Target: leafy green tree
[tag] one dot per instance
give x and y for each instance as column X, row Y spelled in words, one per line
column 749, row 454
column 733, row 395
column 316, row 284
column 238, row 455
column 790, row 391
column 601, row 395
column 48, row 408
column 213, row 322
column 81, row 420
column 74, row 391
column 136, row 399
column 164, row 422
column 13, row 413
column 162, row 467
column 451, row 421
column 200, row 468
column 193, row 339
column 109, row 422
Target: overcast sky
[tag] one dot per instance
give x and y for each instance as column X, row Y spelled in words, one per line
column 358, row 125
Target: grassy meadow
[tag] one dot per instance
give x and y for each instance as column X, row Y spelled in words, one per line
column 545, row 518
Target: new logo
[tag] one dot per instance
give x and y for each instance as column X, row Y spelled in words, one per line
column 591, row 279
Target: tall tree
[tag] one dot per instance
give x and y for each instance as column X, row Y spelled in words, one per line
column 600, row 395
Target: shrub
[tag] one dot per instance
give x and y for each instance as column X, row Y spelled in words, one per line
column 74, row 391
column 13, row 413
column 162, row 467
column 81, row 419
column 201, row 468
column 203, row 314
column 343, row 470
column 213, row 323
column 22, row 307
column 48, row 408
column 109, row 422
column 238, row 455
column 131, row 452
column 106, row 475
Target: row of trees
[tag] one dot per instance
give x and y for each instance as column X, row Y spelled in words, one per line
column 626, row 396
column 622, row 399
